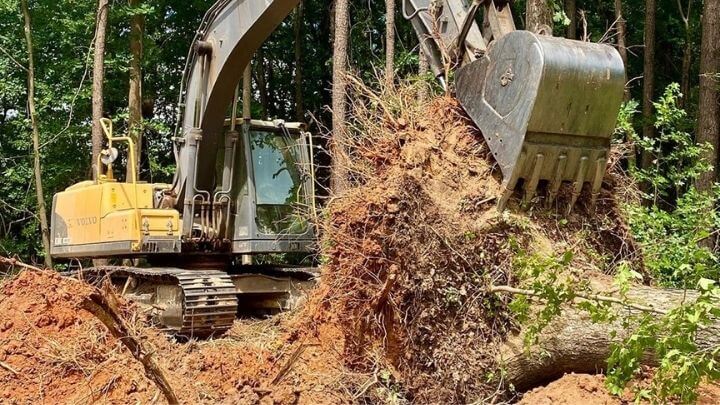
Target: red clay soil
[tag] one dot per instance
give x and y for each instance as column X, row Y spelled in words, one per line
column 53, row 350
column 589, row 389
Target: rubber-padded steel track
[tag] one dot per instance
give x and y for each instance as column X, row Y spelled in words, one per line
column 209, row 298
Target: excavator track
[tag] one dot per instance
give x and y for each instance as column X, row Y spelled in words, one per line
column 185, row 302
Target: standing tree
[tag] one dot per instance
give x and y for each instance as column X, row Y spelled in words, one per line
column 339, row 88
column 299, row 107
column 539, row 17
column 709, row 119
column 389, row 42
column 648, row 78
column 571, row 11
column 135, row 127
column 247, row 92
column 98, row 77
column 621, row 27
column 42, row 212
column 687, row 52
column 262, row 83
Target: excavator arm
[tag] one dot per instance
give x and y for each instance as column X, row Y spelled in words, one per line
column 229, row 35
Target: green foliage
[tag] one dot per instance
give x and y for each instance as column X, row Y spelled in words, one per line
column 671, row 239
column 677, row 158
column 683, row 364
column 550, row 282
column 670, row 234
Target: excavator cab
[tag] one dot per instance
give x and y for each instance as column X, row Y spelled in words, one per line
column 546, row 106
column 272, row 189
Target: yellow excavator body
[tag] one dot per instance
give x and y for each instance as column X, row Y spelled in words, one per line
column 107, row 217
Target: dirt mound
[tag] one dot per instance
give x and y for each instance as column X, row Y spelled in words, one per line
column 51, row 348
column 590, row 390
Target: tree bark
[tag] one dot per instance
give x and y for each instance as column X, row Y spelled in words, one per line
column 247, row 93
column 573, row 343
column 649, row 79
column 538, row 17
column 621, row 25
column 299, row 107
column 135, row 126
column 571, row 11
column 40, row 195
column 339, row 102
column 262, row 84
column 709, row 115
column 98, row 78
column 389, row 43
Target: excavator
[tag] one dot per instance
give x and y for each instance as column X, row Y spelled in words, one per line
column 244, row 188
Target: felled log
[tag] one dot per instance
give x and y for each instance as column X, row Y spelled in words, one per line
column 572, row 343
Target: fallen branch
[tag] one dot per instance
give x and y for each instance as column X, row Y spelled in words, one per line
column 286, row 367
column 588, row 297
column 17, row 263
column 105, row 306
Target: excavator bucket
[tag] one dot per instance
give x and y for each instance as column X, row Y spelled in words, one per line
column 547, row 108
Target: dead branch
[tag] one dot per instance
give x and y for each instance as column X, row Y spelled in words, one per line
column 8, row 368
column 12, row 262
column 286, row 367
column 105, row 306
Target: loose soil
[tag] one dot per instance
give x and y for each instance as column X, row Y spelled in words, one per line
column 590, row 390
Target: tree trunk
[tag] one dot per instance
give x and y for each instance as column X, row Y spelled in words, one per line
column 98, row 77
column 261, row 80
column 649, row 79
column 247, row 93
column 709, row 116
column 389, row 43
column 339, row 102
column 571, row 11
column 299, row 107
column 538, row 17
column 573, row 343
column 621, row 25
column 135, row 127
column 40, row 195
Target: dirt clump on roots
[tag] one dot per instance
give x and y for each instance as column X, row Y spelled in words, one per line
column 411, row 250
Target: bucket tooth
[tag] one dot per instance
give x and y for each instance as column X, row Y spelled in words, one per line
column 535, row 179
column 510, row 186
column 557, row 180
column 597, row 180
column 579, row 181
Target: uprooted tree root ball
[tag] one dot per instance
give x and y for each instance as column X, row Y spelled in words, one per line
column 411, row 251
